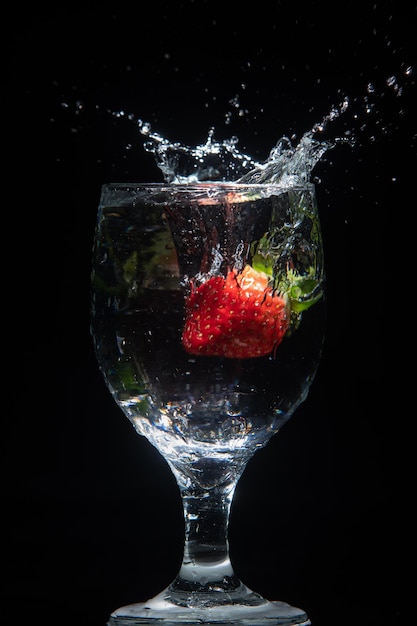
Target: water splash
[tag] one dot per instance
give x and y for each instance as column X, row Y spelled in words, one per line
column 211, row 161
column 374, row 114
column 214, row 161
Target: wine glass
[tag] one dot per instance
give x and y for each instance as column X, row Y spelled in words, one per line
column 208, row 324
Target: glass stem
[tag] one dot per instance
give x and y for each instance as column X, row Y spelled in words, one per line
column 206, row 549
column 206, row 565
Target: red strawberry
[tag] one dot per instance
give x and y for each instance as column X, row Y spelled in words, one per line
column 238, row 317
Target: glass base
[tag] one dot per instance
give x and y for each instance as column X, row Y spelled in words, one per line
column 249, row 610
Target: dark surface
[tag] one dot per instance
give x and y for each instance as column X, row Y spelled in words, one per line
column 321, row 517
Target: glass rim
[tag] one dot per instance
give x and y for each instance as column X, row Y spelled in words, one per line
column 160, row 186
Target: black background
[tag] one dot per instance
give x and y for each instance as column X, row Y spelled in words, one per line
column 322, row 516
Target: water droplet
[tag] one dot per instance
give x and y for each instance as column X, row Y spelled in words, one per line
column 235, row 102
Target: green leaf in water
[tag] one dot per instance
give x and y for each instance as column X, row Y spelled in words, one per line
column 303, row 291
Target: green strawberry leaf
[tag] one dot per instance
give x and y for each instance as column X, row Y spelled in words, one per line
column 303, row 291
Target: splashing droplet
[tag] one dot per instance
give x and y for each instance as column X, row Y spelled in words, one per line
column 214, row 161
